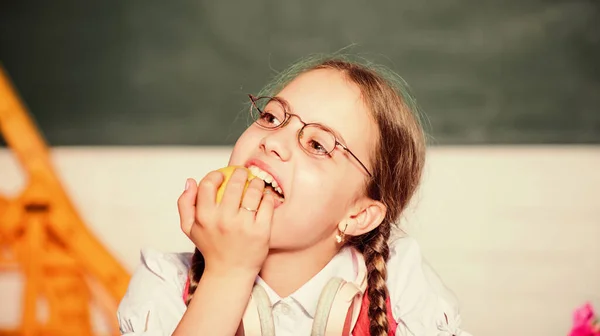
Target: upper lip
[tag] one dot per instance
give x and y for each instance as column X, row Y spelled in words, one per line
column 263, row 166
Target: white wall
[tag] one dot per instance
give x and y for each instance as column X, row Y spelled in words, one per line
column 515, row 231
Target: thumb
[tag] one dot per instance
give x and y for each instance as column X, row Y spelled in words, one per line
column 186, row 204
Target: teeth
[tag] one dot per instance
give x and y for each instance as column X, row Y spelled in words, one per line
column 254, row 170
column 268, row 178
column 263, row 175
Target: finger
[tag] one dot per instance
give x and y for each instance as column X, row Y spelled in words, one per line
column 264, row 215
column 207, row 192
column 252, row 196
column 233, row 191
column 186, row 205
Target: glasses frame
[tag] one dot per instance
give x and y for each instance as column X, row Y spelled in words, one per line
column 288, row 117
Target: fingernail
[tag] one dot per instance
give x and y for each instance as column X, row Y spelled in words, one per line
column 187, row 184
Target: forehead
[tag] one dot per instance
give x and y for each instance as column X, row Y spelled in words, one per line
column 327, row 97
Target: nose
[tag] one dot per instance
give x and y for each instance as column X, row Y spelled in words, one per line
column 280, row 142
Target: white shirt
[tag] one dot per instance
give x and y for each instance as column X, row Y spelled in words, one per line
column 421, row 304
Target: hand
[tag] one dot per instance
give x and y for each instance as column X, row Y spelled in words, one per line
column 230, row 237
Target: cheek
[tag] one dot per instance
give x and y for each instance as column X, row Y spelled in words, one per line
column 326, row 198
column 319, row 203
column 245, row 144
column 313, row 216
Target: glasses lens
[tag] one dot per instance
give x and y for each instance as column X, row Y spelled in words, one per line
column 317, row 140
column 267, row 112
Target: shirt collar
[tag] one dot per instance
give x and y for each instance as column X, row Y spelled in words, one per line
column 308, row 295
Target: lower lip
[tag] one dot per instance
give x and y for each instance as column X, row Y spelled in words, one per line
column 277, row 203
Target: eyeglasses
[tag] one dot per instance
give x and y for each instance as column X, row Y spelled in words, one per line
column 316, row 139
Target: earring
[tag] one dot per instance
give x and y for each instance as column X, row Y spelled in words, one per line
column 341, row 234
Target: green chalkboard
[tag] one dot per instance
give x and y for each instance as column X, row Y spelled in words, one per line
column 176, row 72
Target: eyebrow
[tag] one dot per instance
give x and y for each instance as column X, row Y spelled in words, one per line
column 288, row 108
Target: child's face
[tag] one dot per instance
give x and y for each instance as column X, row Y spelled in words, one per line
column 319, row 191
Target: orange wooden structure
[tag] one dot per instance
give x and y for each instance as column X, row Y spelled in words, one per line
column 43, row 237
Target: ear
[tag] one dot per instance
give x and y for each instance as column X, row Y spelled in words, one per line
column 365, row 216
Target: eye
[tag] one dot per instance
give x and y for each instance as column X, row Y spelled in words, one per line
column 268, row 118
column 268, row 112
column 316, row 147
column 316, row 140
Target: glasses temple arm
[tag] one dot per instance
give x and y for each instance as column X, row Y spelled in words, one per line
column 357, row 159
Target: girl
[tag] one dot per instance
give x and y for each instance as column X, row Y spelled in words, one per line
column 338, row 152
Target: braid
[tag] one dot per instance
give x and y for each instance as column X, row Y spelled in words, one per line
column 397, row 164
column 194, row 274
column 376, row 251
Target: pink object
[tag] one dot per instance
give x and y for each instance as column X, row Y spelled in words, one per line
column 361, row 328
column 585, row 322
column 186, row 290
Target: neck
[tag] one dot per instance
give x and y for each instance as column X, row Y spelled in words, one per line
column 285, row 271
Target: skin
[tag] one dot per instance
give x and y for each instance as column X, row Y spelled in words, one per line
column 286, row 245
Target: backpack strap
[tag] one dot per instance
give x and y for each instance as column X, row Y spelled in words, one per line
column 361, row 281
column 326, row 300
column 338, row 299
column 258, row 319
column 343, row 304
